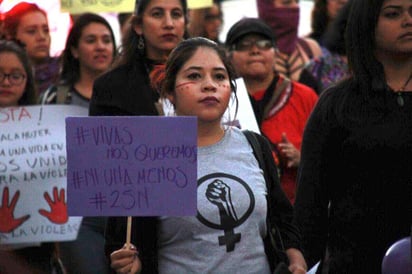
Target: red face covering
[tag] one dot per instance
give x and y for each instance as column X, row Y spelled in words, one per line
column 284, row 23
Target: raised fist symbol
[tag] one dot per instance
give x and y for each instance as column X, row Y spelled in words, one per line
column 218, row 193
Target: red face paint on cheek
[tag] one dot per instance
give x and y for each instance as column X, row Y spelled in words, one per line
column 224, row 86
column 184, row 84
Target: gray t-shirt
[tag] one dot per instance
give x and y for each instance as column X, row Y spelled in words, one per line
column 227, row 234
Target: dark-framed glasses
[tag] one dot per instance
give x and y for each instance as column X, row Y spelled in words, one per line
column 15, row 78
column 246, row 45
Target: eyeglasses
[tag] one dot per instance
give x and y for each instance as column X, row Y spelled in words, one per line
column 14, row 78
column 247, row 45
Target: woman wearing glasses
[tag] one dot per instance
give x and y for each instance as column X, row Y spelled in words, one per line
column 281, row 106
column 17, row 88
column 16, row 78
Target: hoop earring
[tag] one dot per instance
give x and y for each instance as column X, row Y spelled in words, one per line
column 140, row 43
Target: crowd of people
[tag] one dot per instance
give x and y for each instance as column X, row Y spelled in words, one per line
column 333, row 109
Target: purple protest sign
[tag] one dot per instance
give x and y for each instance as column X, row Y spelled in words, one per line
column 131, row 166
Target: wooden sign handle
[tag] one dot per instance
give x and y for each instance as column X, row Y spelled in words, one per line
column 129, row 231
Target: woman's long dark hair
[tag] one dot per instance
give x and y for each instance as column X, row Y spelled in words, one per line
column 334, row 37
column 319, row 19
column 363, row 97
column 360, row 38
column 70, row 73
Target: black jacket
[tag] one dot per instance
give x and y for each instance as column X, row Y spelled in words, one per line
column 125, row 90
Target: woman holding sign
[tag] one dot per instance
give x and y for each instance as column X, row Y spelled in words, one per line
column 17, row 88
column 230, row 231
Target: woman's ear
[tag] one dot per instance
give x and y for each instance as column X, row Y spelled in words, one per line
column 171, row 98
column 74, row 52
column 137, row 25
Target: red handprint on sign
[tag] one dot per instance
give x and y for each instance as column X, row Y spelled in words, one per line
column 7, row 221
column 58, row 213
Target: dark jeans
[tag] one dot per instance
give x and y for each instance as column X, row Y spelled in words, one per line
column 86, row 254
column 40, row 259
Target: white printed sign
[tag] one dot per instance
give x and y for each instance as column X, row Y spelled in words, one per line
column 245, row 115
column 33, row 167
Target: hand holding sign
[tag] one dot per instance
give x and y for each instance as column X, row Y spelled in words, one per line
column 8, row 223
column 58, row 213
